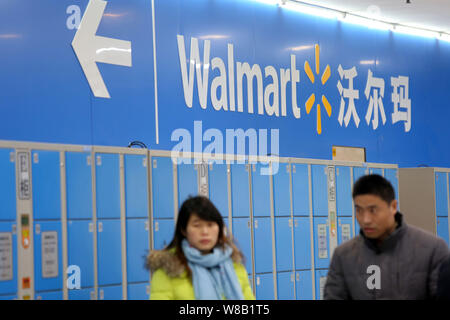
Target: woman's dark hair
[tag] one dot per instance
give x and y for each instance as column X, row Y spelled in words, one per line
column 374, row 184
column 205, row 210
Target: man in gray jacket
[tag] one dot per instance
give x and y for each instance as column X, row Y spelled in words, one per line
column 388, row 259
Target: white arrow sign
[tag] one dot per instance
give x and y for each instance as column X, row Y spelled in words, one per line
column 90, row 48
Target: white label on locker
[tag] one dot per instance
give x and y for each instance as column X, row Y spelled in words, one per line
column 322, row 233
column 331, row 186
column 345, row 232
column 6, row 263
column 49, row 254
column 322, row 282
column 24, row 176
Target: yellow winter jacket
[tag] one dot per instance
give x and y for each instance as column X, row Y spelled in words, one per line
column 171, row 282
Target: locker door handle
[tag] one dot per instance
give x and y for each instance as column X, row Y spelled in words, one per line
column 292, row 278
column 91, row 227
column 92, row 295
column 258, row 281
column 144, row 162
column 99, row 160
column 296, row 223
column 147, row 226
column 102, row 294
column 248, row 224
column 156, row 226
column 154, row 163
column 38, row 229
column 298, row 276
column 290, row 223
column 256, row 224
column 147, row 290
column 88, row 160
column 100, row 227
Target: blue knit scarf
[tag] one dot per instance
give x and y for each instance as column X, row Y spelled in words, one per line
column 213, row 274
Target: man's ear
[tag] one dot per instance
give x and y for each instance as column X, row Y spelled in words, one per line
column 393, row 206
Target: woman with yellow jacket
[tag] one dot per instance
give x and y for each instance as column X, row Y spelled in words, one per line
column 200, row 262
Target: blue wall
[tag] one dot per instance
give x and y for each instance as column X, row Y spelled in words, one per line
column 44, row 95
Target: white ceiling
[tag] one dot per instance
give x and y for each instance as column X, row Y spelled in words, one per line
column 428, row 14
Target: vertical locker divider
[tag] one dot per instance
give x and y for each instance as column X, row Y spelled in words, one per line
column 150, row 209
column 230, row 221
column 123, row 228
column 272, row 225
column 311, row 228
column 289, row 166
column 63, row 186
column 353, row 206
column 94, row 295
column 252, row 233
column 175, row 191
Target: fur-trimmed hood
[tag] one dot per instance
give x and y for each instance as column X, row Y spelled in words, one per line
column 171, row 264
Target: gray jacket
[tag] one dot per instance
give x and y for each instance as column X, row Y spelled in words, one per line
column 408, row 261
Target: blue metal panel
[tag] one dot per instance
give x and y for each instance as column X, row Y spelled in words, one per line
column 345, row 229
column 7, row 185
column 302, row 243
column 303, row 285
column 80, row 245
column 240, row 194
column 10, row 286
column 243, row 238
column 81, row 294
column 110, row 293
column 109, row 253
column 343, row 191
column 283, row 243
column 392, row 176
column 263, row 245
column 162, row 187
column 46, row 185
column 358, row 172
column 138, row 291
column 321, row 276
column 260, row 191
column 285, row 285
column 319, row 190
column 322, row 256
column 187, row 182
column 441, row 194
column 52, row 295
column 8, row 297
column 281, row 191
column 264, row 286
column 376, row 171
column 41, row 283
column 163, row 230
column 137, row 250
column 218, row 187
column 136, row 186
column 442, row 229
column 107, row 186
column 79, row 185
column 300, row 189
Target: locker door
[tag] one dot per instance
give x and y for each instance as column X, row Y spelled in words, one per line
column 441, row 194
column 136, row 186
column 138, row 291
column 79, row 185
column 358, row 172
column 7, row 185
column 302, row 243
column 110, row 293
column 321, row 279
column 109, row 252
column 319, row 190
column 47, row 256
column 240, row 194
column 162, row 187
column 107, row 185
column 300, row 189
column 281, row 191
column 218, row 187
column 283, row 243
column 285, row 285
column 187, row 182
column 81, row 250
column 263, row 245
column 376, row 171
column 8, row 259
column 303, row 285
column 82, row 294
column 137, row 249
column 242, row 237
column 52, row 295
column 442, row 228
column 163, row 232
column 46, row 185
column 321, row 243
column 8, row 297
column 344, row 229
column 264, row 287
column 260, row 191
column 392, row 176
column 343, row 192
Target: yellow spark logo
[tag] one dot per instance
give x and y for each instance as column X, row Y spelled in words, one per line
column 312, row 98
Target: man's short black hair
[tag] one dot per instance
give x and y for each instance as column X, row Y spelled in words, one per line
column 374, row 184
